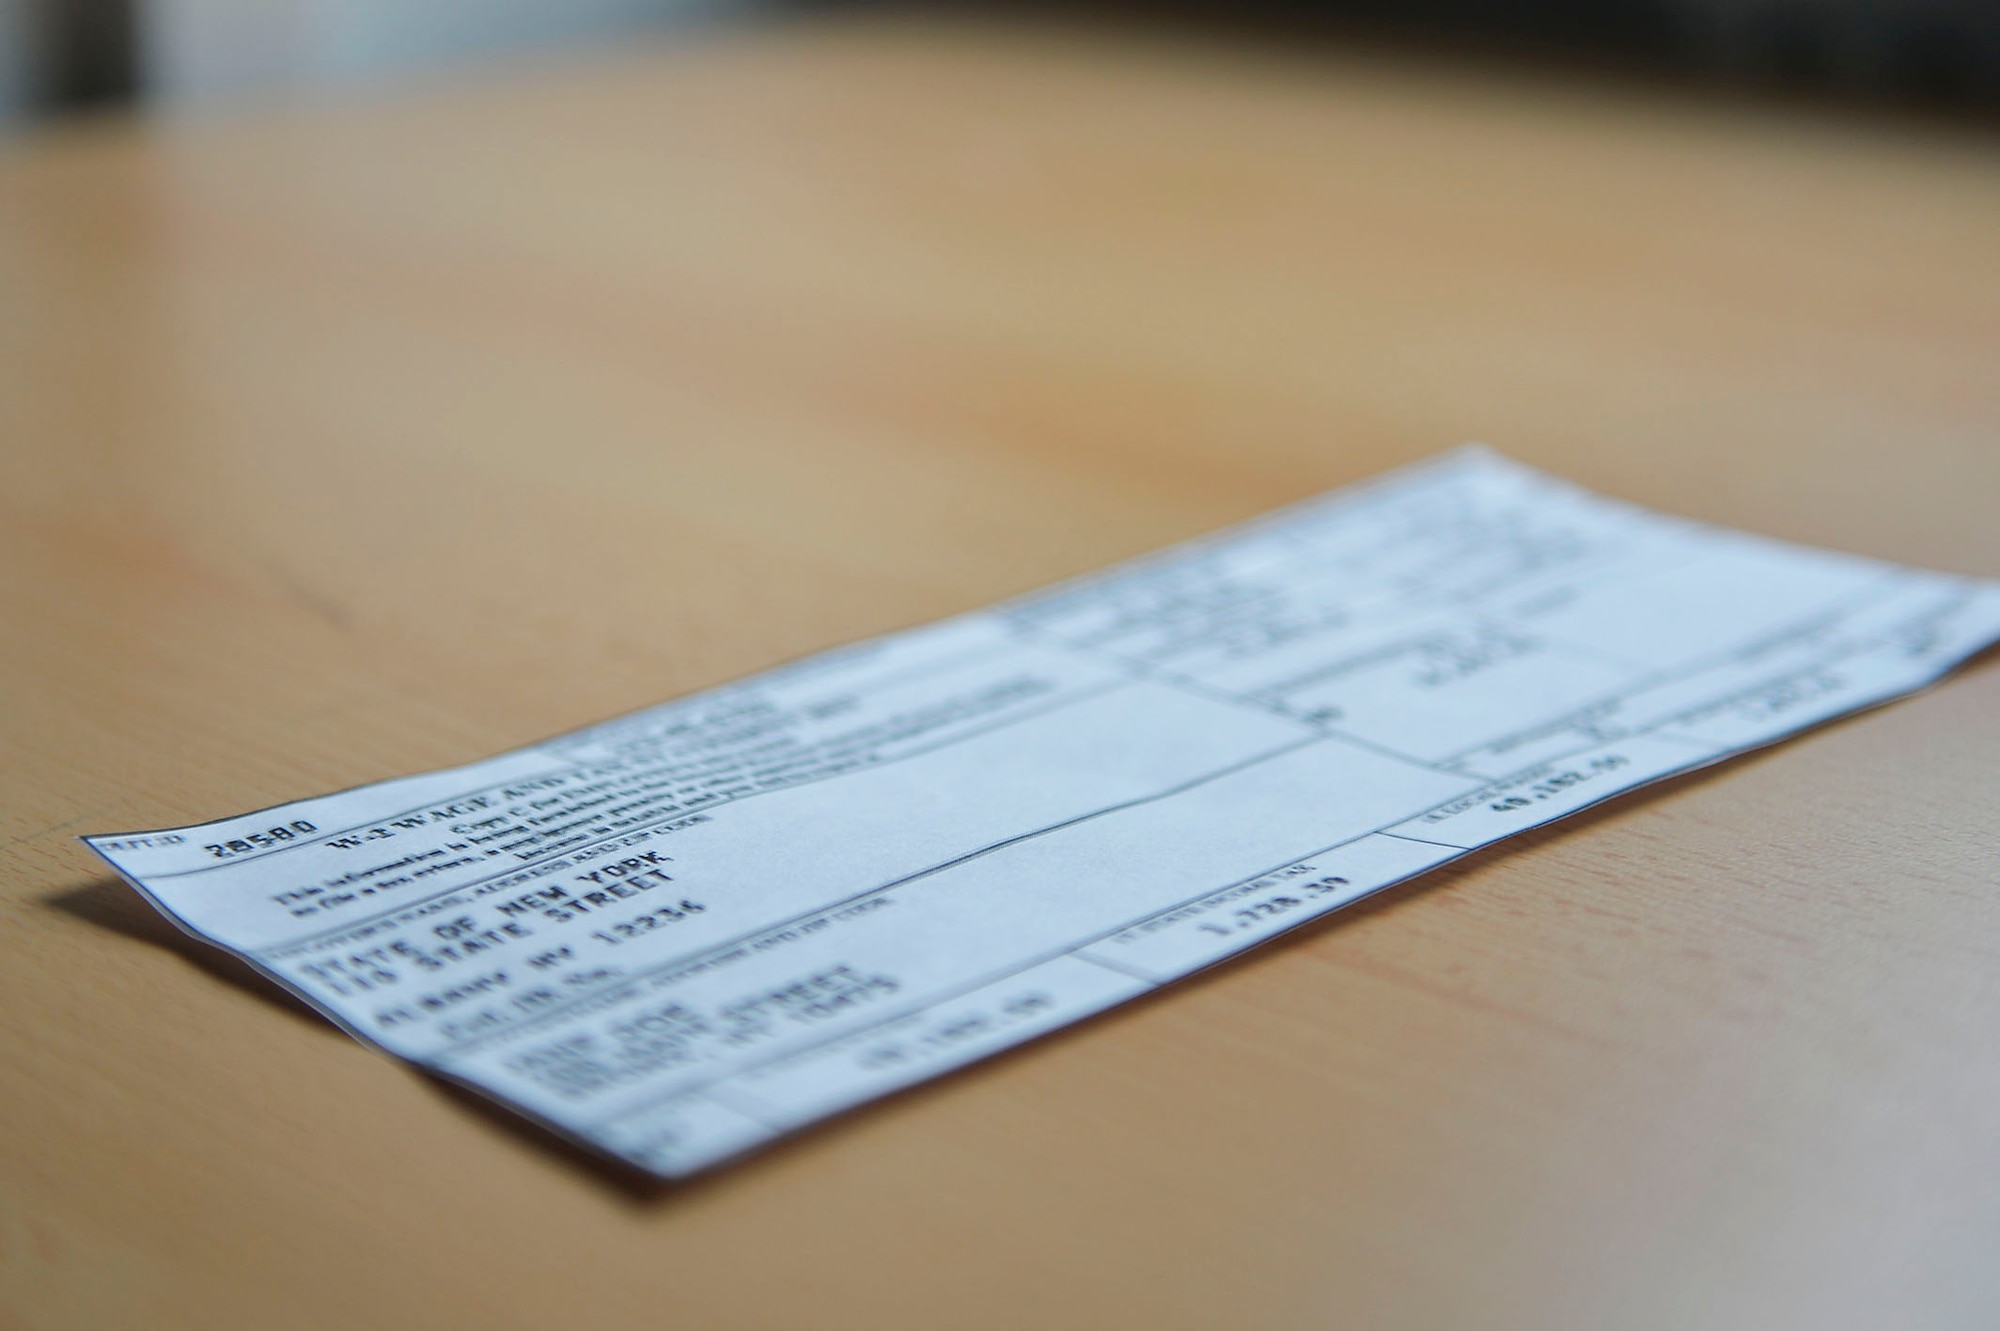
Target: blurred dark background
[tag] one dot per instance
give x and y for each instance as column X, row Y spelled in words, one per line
column 57, row 55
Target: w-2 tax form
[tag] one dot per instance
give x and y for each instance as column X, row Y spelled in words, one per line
column 683, row 933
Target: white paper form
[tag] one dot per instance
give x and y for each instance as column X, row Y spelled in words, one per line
column 683, row 933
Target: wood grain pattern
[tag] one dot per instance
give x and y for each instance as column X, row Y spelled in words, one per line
column 341, row 443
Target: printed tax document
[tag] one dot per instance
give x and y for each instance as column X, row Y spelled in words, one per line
column 683, row 933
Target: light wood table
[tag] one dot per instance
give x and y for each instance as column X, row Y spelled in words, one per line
column 341, row 443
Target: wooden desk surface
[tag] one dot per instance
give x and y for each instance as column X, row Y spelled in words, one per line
column 340, row 444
